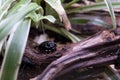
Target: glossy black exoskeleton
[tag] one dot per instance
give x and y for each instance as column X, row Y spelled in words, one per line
column 47, row 47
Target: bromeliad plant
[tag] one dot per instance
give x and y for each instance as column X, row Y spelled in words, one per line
column 15, row 23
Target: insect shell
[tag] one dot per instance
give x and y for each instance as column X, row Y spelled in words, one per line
column 47, row 47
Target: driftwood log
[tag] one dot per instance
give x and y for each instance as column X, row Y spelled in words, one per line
column 102, row 48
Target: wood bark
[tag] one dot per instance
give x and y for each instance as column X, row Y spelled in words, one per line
column 102, row 48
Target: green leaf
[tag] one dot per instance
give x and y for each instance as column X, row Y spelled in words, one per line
column 70, row 3
column 79, row 20
column 7, row 24
column 35, row 16
column 69, row 35
column 96, row 6
column 2, row 2
column 17, row 6
column 4, row 8
column 98, row 1
column 37, row 1
column 57, row 6
column 111, row 73
column 14, row 52
column 100, row 22
column 111, row 11
column 49, row 18
column 6, row 5
column 64, row 33
column 62, row 0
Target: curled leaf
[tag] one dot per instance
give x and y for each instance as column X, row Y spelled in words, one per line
column 56, row 4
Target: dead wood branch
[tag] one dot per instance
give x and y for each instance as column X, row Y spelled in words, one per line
column 83, row 54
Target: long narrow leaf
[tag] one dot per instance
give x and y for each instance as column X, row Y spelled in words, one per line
column 111, row 11
column 4, row 8
column 111, row 73
column 7, row 24
column 57, row 6
column 69, row 35
column 6, row 5
column 64, row 33
column 96, row 6
column 49, row 18
column 17, row 6
column 2, row 1
column 14, row 52
column 70, row 3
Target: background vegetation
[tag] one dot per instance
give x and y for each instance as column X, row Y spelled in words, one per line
column 18, row 16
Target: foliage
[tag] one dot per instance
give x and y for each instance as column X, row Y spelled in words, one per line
column 15, row 22
column 16, row 18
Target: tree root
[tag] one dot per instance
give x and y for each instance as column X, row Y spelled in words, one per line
column 102, row 48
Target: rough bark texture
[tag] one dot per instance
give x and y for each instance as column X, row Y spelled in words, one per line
column 102, row 48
